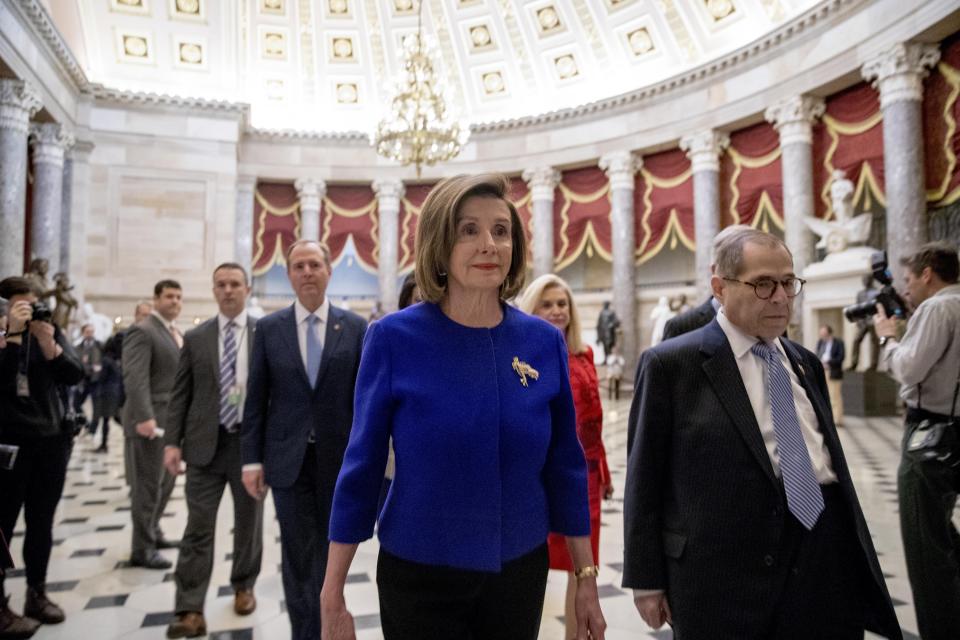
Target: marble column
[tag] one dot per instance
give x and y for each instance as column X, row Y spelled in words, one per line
column 620, row 167
column 703, row 148
column 793, row 119
column 542, row 182
column 243, row 223
column 74, row 231
column 389, row 193
column 50, row 142
column 899, row 73
column 66, row 212
column 18, row 102
column 311, row 193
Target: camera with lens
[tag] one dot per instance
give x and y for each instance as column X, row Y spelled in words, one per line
column 893, row 304
column 41, row 312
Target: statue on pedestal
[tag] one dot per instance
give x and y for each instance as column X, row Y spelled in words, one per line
column 66, row 303
column 36, row 275
column 846, row 229
column 607, row 325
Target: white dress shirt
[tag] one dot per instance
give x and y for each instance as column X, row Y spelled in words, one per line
column 753, row 372
column 303, row 325
column 240, row 339
column 827, row 350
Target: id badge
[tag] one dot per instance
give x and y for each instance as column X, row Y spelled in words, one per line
column 23, row 385
column 235, row 396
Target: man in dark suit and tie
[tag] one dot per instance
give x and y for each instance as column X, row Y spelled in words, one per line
column 831, row 353
column 740, row 517
column 203, row 429
column 151, row 350
column 296, row 423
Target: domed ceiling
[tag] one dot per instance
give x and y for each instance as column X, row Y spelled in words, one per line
column 328, row 65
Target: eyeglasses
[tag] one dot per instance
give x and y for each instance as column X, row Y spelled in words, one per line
column 766, row 288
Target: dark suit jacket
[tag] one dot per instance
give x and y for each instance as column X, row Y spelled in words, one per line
column 837, row 354
column 281, row 408
column 704, row 512
column 193, row 416
column 690, row 320
column 150, row 357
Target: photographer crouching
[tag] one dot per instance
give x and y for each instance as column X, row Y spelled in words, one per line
column 35, row 360
column 926, row 362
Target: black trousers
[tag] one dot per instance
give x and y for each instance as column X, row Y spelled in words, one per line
column 35, row 484
column 304, row 514
column 931, row 545
column 828, row 584
column 441, row 603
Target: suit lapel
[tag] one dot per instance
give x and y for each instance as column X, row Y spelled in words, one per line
column 211, row 342
column 721, row 369
column 293, row 342
column 808, row 382
column 330, row 340
column 159, row 326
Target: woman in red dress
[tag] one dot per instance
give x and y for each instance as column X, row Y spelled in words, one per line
column 550, row 298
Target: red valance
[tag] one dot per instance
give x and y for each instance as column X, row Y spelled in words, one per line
column 751, row 179
column 941, row 138
column 663, row 204
column 850, row 137
column 276, row 224
column 351, row 210
column 581, row 216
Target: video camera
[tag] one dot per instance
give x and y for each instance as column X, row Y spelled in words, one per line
column 893, row 304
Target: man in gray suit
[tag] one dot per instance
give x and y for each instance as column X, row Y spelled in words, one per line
column 203, row 429
column 151, row 350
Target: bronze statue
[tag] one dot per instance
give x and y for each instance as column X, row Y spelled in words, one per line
column 36, row 275
column 66, row 303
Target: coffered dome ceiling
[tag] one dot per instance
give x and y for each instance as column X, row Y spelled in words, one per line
column 327, row 65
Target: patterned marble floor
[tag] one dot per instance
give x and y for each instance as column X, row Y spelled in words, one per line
column 105, row 600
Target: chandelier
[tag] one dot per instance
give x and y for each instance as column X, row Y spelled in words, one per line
column 418, row 129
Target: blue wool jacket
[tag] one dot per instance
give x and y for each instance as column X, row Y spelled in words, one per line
column 485, row 466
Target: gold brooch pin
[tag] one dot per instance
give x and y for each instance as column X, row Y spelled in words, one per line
column 524, row 370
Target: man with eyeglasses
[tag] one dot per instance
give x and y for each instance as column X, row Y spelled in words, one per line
column 740, row 517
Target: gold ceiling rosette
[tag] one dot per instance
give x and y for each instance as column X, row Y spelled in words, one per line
column 419, row 129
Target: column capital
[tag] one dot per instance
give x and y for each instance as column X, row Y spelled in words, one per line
column 18, row 102
column 899, row 72
column 80, row 150
column 542, row 181
column 388, row 188
column 246, row 184
column 620, row 167
column 793, row 118
column 50, row 142
column 310, row 192
column 704, row 147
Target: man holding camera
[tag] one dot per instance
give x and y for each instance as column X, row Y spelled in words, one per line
column 926, row 362
column 35, row 360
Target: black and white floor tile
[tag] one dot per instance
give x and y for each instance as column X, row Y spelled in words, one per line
column 105, row 599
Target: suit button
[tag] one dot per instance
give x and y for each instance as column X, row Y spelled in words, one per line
column 768, row 560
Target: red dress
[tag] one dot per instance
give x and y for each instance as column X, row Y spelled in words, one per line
column 586, row 401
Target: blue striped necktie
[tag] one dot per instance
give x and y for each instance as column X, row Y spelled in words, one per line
column 804, row 496
column 229, row 412
column 314, row 350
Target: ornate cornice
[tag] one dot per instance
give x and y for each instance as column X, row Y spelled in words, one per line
column 18, row 102
column 288, row 135
column 793, row 118
column 142, row 98
column 704, row 147
column 899, row 71
column 37, row 16
column 620, row 167
column 542, row 181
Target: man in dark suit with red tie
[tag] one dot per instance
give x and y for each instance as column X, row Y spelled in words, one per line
column 741, row 520
column 296, row 423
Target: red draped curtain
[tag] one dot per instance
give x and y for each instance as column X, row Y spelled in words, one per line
column 276, row 224
column 581, row 216
column 663, row 204
column 751, row 179
column 941, row 113
column 351, row 211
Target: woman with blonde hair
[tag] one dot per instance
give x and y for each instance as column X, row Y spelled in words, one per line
column 550, row 298
column 477, row 398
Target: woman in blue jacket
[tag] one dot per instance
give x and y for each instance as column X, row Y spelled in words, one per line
column 476, row 396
